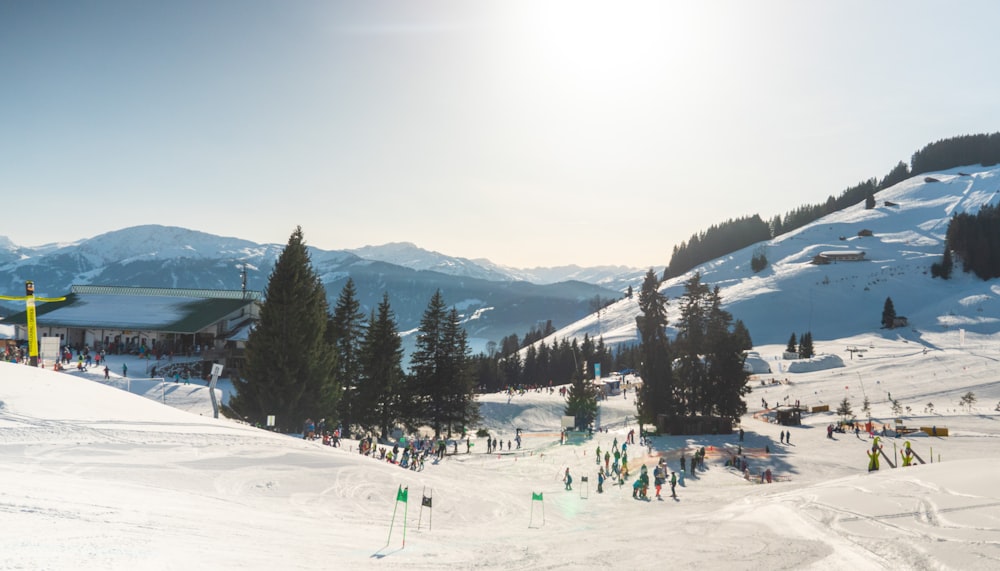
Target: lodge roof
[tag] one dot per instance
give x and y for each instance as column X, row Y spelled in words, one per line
column 139, row 308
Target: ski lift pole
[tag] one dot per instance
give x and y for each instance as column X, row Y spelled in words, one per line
column 29, row 317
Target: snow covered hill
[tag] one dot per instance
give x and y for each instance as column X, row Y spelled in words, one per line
column 841, row 299
column 96, row 478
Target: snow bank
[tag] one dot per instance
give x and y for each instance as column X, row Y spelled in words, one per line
column 818, row 363
column 755, row 364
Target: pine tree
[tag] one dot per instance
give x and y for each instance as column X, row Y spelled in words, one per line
column 806, row 346
column 709, row 360
column 655, row 396
column 742, row 335
column 379, row 399
column 725, row 375
column 690, row 367
column 581, row 401
column 791, row 347
column 290, row 365
column 427, row 389
column 888, row 314
column 345, row 331
column 462, row 407
column 943, row 268
column 441, row 385
column 844, row 410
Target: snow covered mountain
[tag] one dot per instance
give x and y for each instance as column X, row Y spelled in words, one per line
column 837, row 300
column 410, row 255
column 493, row 304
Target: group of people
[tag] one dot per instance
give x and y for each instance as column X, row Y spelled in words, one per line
column 640, row 488
column 410, row 456
column 493, row 445
column 618, row 470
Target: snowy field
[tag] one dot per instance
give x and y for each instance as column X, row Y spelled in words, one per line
column 96, row 478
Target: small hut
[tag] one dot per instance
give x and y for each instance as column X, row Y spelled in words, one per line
column 788, row 415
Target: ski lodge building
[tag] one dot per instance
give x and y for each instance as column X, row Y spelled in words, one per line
column 214, row 324
column 839, row 256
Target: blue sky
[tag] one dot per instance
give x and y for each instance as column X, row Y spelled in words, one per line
column 529, row 133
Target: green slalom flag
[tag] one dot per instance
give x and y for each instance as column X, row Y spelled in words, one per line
column 401, row 494
column 536, row 497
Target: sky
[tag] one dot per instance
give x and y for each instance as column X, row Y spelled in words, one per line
column 97, row 478
column 499, row 130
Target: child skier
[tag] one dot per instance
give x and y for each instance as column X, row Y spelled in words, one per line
column 568, row 480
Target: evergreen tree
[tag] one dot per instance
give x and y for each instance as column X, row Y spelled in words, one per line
column 742, row 335
column 427, row 386
column 345, row 331
column 759, row 260
column 724, row 357
column 806, row 346
column 888, row 314
column 689, row 364
column 870, row 200
column 379, row 404
column 290, row 364
column 581, row 401
column 943, row 269
column 844, row 410
column 708, row 368
column 655, row 396
column 791, row 347
column 441, row 385
column 462, row 408
column 510, row 370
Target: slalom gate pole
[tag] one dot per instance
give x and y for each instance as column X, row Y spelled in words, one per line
column 406, row 506
column 420, row 514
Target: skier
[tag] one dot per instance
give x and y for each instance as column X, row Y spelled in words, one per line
column 568, row 480
column 673, row 485
column 658, row 478
column 607, row 460
column 598, row 455
column 600, row 481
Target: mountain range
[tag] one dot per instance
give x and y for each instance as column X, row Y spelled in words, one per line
column 495, row 301
column 899, row 239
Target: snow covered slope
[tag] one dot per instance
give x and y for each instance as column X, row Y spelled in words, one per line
column 793, row 295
